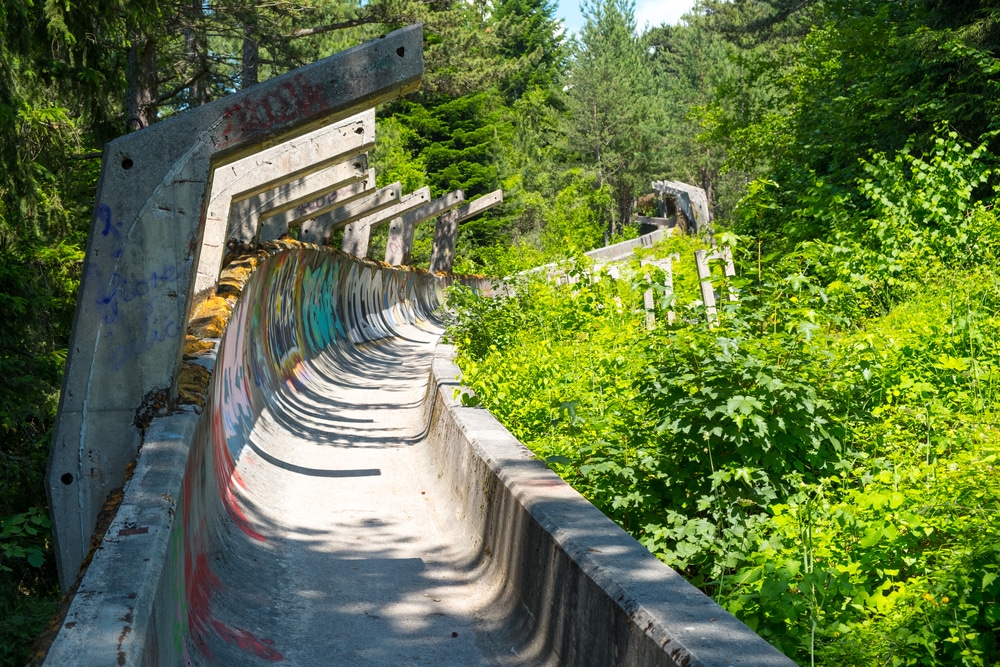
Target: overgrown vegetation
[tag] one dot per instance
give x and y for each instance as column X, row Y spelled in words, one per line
column 823, row 462
column 850, row 146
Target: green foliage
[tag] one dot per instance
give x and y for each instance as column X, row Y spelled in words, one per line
column 392, row 160
column 578, row 217
column 833, row 486
column 614, row 120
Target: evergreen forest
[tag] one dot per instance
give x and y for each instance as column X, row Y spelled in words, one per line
column 821, row 459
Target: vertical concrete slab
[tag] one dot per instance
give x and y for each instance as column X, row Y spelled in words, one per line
column 247, row 215
column 446, row 231
column 318, row 228
column 667, row 264
column 142, row 255
column 357, row 235
column 702, row 258
column 399, row 245
column 287, row 160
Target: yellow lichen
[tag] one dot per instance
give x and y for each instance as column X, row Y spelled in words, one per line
column 192, row 384
column 210, row 317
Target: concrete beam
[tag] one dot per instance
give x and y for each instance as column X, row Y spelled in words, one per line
column 246, row 216
column 318, row 228
column 399, row 245
column 294, row 217
column 446, row 231
column 283, row 163
column 143, row 250
column 357, row 235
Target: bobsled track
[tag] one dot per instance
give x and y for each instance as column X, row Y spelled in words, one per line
column 334, row 505
column 303, row 486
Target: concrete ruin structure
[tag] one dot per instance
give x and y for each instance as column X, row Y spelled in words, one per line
column 327, row 499
column 691, row 202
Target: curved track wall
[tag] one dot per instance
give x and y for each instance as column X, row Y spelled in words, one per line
column 175, row 580
column 298, row 305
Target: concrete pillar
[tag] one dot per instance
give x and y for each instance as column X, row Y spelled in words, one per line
column 252, row 213
column 446, row 231
column 357, row 235
column 702, row 258
column 667, row 264
column 281, row 162
column 400, row 242
column 143, row 251
column 318, row 229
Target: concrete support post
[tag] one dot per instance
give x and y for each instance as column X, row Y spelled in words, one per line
column 357, row 235
column 702, row 258
column 286, row 162
column 399, row 245
column 446, row 231
column 250, row 214
column 667, row 264
column 143, row 251
column 318, row 228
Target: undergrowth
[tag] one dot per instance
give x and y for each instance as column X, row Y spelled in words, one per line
column 824, row 461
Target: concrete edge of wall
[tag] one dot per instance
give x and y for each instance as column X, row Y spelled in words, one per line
column 117, row 597
column 591, row 593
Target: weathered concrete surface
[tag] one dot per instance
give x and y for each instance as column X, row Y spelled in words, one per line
column 358, row 234
column 446, row 229
column 262, row 171
column 691, row 200
column 339, row 507
column 322, row 224
column 250, row 216
column 316, row 206
column 399, row 245
column 142, row 252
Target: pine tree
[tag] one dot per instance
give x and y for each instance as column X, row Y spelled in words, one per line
column 612, row 104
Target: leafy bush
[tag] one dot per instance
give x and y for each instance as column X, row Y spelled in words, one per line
column 834, row 485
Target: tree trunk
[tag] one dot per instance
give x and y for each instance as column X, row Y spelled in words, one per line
column 251, row 55
column 196, row 53
column 141, row 94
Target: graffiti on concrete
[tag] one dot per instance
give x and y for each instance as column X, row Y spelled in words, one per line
column 300, row 304
column 130, row 340
column 279, row 106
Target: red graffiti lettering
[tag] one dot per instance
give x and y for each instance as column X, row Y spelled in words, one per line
column 288, row 102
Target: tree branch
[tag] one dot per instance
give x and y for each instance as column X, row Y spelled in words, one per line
column 319, row 30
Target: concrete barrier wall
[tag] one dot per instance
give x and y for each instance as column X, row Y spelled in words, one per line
column 573, row 588
column 156, row 589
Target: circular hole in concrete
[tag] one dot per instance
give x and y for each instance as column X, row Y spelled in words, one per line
column 400, row 51
column 66, row 479
column 127, row 163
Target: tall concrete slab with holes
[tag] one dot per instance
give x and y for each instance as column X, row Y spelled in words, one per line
column 144, row 246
